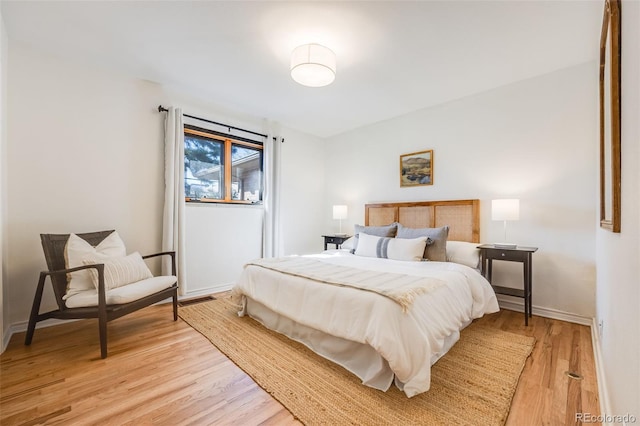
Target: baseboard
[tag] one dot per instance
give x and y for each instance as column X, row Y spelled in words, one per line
column 21, row 326
column 605, row 404
column 6, row 336
column 518, row 306
column 603, row 394
column 209, row 290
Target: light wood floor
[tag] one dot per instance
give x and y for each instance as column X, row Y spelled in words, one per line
column 163, row 372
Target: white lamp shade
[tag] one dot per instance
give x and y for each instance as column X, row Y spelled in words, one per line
column 340, row 212
column 505, row 209
column 313, row 65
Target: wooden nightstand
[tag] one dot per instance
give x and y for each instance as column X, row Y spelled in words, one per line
column 335, row 239
column 489, row 253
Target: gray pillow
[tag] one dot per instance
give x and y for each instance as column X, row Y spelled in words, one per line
column 378, row 231
column 437, row 250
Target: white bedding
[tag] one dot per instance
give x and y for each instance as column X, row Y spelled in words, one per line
column 409, row 342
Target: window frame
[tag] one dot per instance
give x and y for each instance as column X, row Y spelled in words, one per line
column 228, row 141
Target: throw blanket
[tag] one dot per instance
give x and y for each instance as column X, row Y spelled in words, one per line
column 400, row 288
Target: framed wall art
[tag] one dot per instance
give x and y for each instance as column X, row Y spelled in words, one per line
column 416, row 168
column 610, row 117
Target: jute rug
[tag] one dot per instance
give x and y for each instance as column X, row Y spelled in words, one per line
column 472, row 385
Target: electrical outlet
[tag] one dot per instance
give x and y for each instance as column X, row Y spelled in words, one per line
column 600, row 328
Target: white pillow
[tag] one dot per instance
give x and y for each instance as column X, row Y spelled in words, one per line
column 348, row 244
column 118, row 271
column 391, row 248
column 77, row 249
column 463, row 253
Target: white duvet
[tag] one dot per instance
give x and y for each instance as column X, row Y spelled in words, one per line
column 410, row 342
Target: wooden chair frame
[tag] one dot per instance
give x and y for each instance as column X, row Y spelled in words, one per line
column 53, row 246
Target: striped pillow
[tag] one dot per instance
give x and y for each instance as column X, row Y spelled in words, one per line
column 391, row 248
column 378, row 231
column 119, row 271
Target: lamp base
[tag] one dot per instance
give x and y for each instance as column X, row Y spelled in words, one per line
column 505, row 245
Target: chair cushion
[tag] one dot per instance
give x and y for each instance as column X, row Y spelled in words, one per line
column 77, row 249
column 125, row 294
column 118, row 271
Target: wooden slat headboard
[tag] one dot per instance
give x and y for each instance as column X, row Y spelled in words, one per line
column 462, row 216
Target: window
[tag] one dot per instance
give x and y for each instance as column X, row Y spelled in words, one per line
column 219, row 168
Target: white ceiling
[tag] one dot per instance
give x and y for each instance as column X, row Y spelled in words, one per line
column 393, row 57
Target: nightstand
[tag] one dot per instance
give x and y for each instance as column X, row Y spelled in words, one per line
column 335, row 239
column 489, row 253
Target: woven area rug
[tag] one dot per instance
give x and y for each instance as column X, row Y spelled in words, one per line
column 472, row 385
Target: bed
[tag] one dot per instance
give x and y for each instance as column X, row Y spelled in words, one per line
column 385, row 320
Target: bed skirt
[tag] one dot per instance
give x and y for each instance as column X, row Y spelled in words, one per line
column 360, row 359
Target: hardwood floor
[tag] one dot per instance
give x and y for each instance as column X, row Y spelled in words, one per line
column 163, row 372
column 546, row 395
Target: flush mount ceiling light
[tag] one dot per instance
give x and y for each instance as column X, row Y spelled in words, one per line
column 313, row 65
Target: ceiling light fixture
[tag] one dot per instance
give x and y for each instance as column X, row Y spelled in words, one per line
column 313, row 65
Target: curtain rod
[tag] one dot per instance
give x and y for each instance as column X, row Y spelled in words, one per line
column 163, row 109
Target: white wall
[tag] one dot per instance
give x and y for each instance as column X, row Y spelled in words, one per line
column 85, row 152
column 303, row 189
column 534, row 140
column 618, row 255
column 229, row 230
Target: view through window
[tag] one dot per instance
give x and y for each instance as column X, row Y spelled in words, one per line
column 219, row 168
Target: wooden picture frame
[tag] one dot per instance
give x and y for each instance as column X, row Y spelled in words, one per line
column 610, row 118
column 416, row 168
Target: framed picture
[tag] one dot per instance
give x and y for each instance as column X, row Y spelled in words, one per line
column 416, row 168
column 610, row 117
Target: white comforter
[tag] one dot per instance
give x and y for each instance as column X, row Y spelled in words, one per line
column 409, row 341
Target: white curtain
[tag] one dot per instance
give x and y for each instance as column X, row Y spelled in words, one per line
column 173, row 227
column 271, row 232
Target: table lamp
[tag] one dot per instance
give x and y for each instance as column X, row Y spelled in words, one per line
column 505, row 209
column 340, row 212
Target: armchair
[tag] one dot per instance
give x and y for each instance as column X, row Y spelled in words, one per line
column 109, row 303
